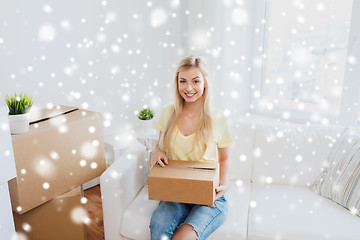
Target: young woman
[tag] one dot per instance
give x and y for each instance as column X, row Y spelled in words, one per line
column 190, row 131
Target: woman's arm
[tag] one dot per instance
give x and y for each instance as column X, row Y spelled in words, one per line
column 159, row 156
column 224, row 163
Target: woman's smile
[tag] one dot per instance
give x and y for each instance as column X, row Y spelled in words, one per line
column 190, row 95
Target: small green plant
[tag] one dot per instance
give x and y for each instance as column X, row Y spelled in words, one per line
column 18, row 103
column 146, row 114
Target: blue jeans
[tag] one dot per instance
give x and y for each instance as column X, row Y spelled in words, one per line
column 169, row 216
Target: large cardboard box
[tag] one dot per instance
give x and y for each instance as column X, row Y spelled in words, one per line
column 59, row 219
column 184, row 181
column 63, row 149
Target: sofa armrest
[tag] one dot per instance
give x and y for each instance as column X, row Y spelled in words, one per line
column 120, row 184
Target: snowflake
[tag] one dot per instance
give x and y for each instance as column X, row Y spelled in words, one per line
column 158, row 17
column 46, row 33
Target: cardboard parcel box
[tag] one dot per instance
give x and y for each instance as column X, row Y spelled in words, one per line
column 184, row 181
column 63, row 149
column 60, row 218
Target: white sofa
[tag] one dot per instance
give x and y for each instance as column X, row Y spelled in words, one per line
column 273, row 163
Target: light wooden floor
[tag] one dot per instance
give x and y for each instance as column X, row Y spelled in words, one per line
column 95, row 230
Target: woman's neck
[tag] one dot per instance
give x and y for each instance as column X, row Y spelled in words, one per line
column 193, row 108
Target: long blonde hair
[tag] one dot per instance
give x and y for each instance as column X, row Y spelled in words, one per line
column 204, row 131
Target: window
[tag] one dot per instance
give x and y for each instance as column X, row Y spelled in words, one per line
column 302, row 59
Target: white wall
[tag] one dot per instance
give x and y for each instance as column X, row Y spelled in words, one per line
column 110, row 56
column 114, row 56
column 126, row 58
column 223, row 34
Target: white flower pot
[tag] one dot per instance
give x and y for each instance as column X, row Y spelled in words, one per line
column 19, row 123
column 147, row 124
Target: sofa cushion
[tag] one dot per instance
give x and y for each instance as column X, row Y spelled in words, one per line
column 235, row 225
column 297, row 213
column 136, row 219
column 291, row 154
column 340, row 182
column 241, row 153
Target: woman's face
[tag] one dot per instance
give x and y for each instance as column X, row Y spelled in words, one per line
column 191, row 84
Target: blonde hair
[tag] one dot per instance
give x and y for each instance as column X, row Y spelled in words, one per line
column 204, row 131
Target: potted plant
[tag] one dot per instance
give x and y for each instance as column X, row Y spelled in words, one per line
column 146, row 116
column 19, row 106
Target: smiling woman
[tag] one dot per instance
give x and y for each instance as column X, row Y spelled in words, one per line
column 190, row 131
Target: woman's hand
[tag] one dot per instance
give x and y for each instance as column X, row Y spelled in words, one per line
column 224, row 165
column 159, row 158
column 221, row 190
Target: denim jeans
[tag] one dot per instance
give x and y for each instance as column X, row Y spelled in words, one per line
column 169, row 216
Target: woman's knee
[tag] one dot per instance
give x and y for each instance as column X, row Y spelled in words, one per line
column 158, row 229
column 164, row 220
column 185, row 232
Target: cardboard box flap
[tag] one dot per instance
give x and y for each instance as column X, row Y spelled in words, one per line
column 45, row 114
column 185, row 170
column 182, row 173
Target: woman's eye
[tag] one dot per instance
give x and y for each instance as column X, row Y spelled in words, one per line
column 196, row 81
column 182, row 81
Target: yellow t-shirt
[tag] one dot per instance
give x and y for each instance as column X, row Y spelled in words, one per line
column 182, row 147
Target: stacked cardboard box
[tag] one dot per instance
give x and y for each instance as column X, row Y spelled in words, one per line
column 58, row 219
column 63, row 150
